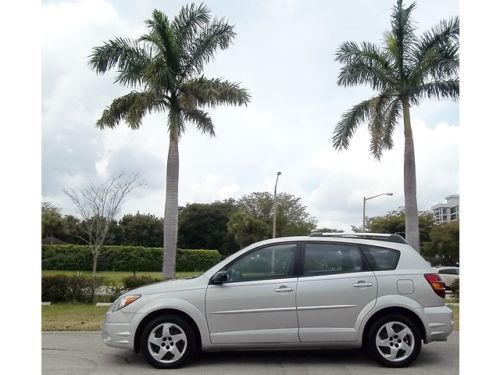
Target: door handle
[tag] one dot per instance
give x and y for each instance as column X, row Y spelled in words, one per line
column 283, row 289
column 362, row 284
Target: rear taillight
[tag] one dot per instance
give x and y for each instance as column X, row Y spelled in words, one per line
column 436, row 283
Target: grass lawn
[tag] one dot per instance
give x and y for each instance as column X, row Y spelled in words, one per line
column 115, row 278
column 72, row 317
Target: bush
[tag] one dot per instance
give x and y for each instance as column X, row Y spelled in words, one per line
column 132, row 282
column 124, row 258
column 455, row 290
column 62, row 288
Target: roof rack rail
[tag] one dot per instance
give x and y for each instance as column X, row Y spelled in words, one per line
column 388, row 237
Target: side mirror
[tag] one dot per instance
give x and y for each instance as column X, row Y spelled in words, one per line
column 220, row 277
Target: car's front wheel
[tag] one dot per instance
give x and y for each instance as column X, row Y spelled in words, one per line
column 168, row 341
column 394, row 341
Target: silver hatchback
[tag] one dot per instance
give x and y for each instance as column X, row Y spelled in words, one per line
column 323, row 291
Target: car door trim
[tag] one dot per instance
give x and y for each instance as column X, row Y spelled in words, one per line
column 245, row 311
column 325, row 307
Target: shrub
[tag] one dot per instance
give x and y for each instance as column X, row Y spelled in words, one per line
column 455, row 289
column 55, row 288
column 62, row 288
column 124, row 258
column 132, row 282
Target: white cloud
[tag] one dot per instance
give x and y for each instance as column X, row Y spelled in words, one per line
column 287, row 62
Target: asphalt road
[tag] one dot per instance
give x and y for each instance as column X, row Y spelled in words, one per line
column 79, row 353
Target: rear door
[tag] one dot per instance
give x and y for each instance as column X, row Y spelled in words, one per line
column 335, row 291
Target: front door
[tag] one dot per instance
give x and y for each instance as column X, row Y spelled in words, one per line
column 334, row 292
column 257, row 304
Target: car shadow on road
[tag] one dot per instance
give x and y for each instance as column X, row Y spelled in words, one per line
column 285, row 359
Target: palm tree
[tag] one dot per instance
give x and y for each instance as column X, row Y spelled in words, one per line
column 164, row 70
column 403, row 71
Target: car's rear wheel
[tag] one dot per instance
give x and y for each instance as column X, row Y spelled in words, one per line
column 394, row 341
column 168, row 341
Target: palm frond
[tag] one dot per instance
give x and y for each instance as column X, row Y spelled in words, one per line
column 215, row 91
column 176, row 124
column 216, row 35
column 126, row 54
column 162, row 36
column 436, row 52
column 190, row 19
column 376, row 123
column 350, row 121
column 130, row 107
column 365, row 63
column 403, row 32
column 392, row 115
column 201, row 119
column 444, row 89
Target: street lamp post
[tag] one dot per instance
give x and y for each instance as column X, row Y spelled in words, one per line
column 275, row 204
column 364, row 206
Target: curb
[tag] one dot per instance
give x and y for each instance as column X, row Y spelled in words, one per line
column 97, row 304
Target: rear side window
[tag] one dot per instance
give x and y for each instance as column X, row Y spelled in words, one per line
column 329, row 259
column 381, row 258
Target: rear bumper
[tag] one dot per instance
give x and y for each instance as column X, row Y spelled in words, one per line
column 438, row 323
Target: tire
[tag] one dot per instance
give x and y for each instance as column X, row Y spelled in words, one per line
column 168, row 341
column 394, row 340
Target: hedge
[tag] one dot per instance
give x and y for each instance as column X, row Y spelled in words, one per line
column 124, row 258
column 133, row 282
column 62, row 288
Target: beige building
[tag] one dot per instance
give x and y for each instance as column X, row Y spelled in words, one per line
column 449, row 211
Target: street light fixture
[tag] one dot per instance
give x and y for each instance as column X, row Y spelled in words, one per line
column 364, row 206
column 275, row 204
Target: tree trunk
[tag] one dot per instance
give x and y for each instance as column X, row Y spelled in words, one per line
column 94, row 263
column 410, row 183
column 171, row 208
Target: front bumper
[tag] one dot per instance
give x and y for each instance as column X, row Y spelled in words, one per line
column 118, row 329
column 438, row 323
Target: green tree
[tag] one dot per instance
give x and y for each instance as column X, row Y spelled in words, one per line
column 247, row 229
column 292, row 218
column 405, row 70
column 204, row 226
column 394, row 222
column 52, row 221
column 72, row 230
column 141, row 230
column 328, row 230
column 443, row 246
column 164, row 70
column 115, row 234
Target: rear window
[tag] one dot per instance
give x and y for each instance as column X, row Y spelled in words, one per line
column 381, row 258
column 448, row 272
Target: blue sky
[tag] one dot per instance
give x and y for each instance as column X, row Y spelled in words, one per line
column 284, row 54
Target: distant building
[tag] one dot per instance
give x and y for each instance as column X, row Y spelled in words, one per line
column 449, row 211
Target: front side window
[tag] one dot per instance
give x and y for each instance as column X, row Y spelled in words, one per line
column 271, row 262
column 328, row 259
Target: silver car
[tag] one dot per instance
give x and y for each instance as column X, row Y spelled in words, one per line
column 322, row 291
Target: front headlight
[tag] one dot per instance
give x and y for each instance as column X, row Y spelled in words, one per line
column 123, row 301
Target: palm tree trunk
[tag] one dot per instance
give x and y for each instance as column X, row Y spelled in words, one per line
column 412, row 233
column 171, row 208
